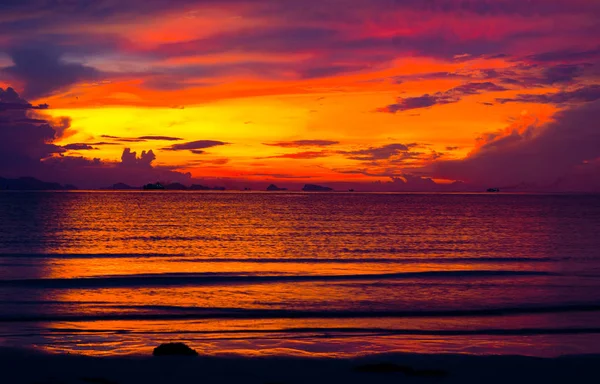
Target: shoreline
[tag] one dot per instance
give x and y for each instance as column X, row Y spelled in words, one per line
column 23, row 366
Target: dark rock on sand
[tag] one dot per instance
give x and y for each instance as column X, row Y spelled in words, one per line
column 174, row 349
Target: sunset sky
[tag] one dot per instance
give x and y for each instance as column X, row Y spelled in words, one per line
column 370, row 94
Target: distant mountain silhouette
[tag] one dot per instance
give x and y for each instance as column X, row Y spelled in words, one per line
column 122, row 187
column 273, row 187
column 32, row 184
column 199, row 187
column 315, row 188
column 176, row 187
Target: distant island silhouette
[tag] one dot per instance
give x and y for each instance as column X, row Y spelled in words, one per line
column 152, row 187
column 32, row 184
column 122, row 187
column 273, row 187
column 315, row 188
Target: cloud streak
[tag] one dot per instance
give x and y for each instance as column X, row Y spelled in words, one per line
column 453, row 95
column 140, row 139
column 579, row 95
column 78, row 147
column 195, row 146
column 378, row 153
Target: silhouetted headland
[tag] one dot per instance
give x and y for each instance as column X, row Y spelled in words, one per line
column 316, row 188
column 493, row 189
column 273, row 187
column 32, row 184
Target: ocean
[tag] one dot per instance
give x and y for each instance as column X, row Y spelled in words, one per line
column 310, row 274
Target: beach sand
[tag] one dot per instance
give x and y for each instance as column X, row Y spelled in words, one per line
column 27, row 367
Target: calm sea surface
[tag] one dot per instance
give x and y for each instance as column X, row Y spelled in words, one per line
column 334, row 274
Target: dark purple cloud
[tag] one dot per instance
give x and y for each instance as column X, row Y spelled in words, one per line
column 476, row 88
column 450, row 96
column 316, row 27
column 123, row 139
column 43, row 71
column 130, row 159
column 23, row 143
column 538, row 75
column 141, row 139
column 310, row 9
column 562, row 73
column 565, row 55
column 425, row 101
column 258, row 39
column 195, row 145
column 161, row 138
column 521, row 75
column 330, row 46
column 378, row 153
column 541, row 156
column 30, row 120
column 584, row 94
column 78, row 147
column 302, row 143
column 20, row 106
column 429, row 76
column 331, row 70
column 326, row 31
column 10, row 101
column 104, row 143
